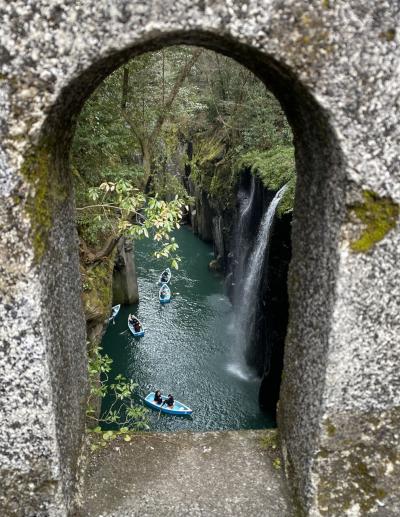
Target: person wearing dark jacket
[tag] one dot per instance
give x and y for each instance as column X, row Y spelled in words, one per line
column 169, row 401
column 158, row 397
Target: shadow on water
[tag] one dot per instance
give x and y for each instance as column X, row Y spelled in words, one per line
column 186, row 349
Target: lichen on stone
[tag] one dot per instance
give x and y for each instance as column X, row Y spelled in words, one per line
column 377, row 215
column 330, row 428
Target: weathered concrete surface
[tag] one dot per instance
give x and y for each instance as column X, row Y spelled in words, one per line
column 335, row 67
column 175, row 474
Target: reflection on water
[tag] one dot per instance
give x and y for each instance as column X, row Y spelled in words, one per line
column 186, row 349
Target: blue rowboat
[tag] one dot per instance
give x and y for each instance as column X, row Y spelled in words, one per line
column 164, row 294
column 132, row 329
column 114, row 312
column 165, row 276
column 178, row 409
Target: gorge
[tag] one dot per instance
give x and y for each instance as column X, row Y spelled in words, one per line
column 235, row 175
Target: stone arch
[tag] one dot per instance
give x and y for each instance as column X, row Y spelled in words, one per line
column 291, row 49
column 318, row 161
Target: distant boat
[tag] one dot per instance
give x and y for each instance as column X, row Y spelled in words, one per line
column 178, row 409
column 131, row 326
column 165, row 276
column 164, row 294
column 114, row 312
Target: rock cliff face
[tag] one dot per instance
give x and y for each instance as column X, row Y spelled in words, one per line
column 212, row 223
column 97, row 297
column 124, row 280
column 218, row 225
column 275, row 305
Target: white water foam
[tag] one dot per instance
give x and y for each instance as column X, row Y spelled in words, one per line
column 243, row 326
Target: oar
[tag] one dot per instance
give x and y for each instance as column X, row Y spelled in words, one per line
column 123, row 332
column 159, row 414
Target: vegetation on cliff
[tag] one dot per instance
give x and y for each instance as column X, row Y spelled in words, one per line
column 275, row 167
column 241, row 126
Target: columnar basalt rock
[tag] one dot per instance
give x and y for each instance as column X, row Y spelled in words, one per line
column 125, row 286
column 334, row 66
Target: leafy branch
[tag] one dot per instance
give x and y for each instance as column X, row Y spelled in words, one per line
column 123, row 412
column 132, row 214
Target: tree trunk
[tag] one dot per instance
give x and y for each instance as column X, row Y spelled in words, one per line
column 125, row 87
column 92, row 256
column 147, row 158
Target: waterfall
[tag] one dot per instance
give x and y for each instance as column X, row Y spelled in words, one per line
column 245, row 205
column 245, row 310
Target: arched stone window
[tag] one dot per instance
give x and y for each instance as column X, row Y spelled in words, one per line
column 338, row 401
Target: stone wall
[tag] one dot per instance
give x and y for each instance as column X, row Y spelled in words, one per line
column 334, row 66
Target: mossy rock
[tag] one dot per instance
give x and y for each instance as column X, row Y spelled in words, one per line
column 48, row 190
column 377, row 215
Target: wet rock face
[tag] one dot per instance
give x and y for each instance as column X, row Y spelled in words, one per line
column 275, row 311
column 334, row 67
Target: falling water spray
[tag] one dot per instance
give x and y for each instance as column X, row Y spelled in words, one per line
column 244, row 324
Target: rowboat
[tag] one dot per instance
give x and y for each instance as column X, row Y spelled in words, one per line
column 165, row 274
column 164, row 294
column 178, row 409
column 114, row 312
column 132, row 329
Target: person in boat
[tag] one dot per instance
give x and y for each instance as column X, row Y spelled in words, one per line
column 169, row 401
column 137, row 325
column 163, row 293
column 164, row 276
column 158, row 397
column 133, row 319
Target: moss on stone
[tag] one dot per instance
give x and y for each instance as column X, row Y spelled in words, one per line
column 388, row 35
column 365, row 464
column 366, row 485
column 269, row 440
column 45, row 193
column 378, row 215
column 330, row 428
column 97, row 293
column 323, row 453
column 223, row 186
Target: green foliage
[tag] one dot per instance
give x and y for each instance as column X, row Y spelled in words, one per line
column 123, row 414
column 277, row 464
column 167, row 186
column 126, row 211
column 275, row 167
column 269, row 440
column 96, row 282
column 240, row 118
column 206, row 150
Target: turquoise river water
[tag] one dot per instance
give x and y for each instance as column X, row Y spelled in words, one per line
column 187, row 349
